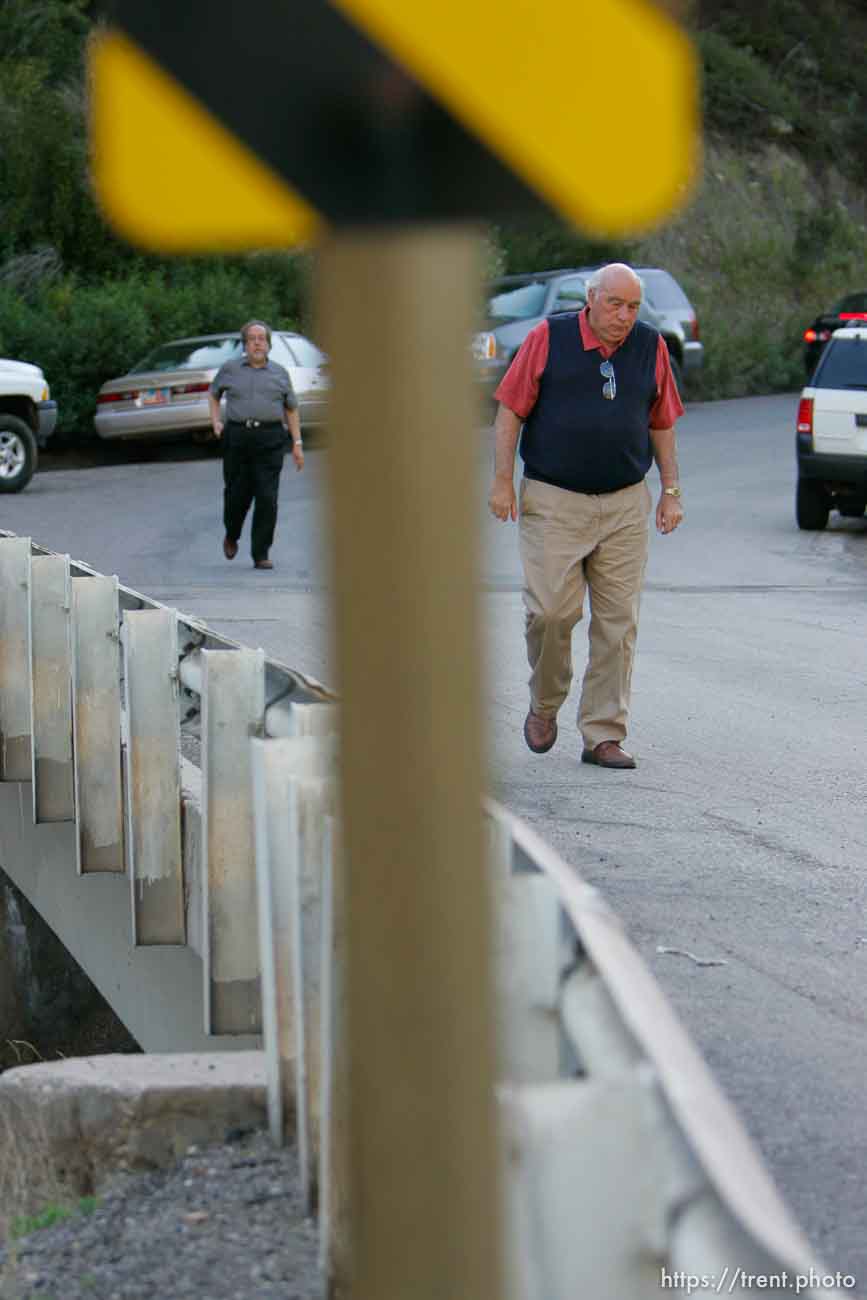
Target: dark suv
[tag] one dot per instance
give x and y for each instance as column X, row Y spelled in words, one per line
column 518, row 302
column 851, row 310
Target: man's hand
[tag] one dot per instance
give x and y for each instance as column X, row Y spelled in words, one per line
column 298, row 455
column 501, row 499
column 669, row 513
column 217, row 426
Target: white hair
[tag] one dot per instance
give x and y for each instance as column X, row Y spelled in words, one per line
column 595, row 280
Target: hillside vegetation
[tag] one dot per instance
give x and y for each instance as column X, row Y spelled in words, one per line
column 775, row 230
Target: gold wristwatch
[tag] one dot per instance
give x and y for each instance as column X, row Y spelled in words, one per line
column 672, row 492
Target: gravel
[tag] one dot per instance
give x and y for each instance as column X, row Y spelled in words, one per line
column 226, row 1223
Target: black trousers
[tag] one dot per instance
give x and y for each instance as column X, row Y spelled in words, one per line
column 252, row 461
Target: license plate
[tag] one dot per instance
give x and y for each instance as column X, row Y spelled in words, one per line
column 154, row 396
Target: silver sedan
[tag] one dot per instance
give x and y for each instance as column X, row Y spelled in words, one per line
column 166, row 394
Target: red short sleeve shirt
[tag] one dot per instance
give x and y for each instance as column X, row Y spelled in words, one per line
column 519, row 387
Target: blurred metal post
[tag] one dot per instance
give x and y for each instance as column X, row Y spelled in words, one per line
column 397, row 311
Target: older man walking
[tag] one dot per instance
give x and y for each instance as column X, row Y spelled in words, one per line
column 261, row 411
column 598, row 403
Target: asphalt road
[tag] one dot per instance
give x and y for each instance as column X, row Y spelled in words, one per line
column 742, row 835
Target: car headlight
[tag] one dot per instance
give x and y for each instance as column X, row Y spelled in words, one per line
column 46, row 392
column 484, row 346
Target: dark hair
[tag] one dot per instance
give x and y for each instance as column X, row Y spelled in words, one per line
column 249, row 325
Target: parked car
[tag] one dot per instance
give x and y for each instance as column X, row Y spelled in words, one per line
column 27, row 420
column 831, row 435
column 166, row 394
column 848, row 310
column 679, row 325
column 516, row 303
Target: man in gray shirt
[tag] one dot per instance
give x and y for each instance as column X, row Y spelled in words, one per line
column 261, row 409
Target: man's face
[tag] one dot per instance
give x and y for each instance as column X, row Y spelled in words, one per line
column 256, row 345
column 613, row 307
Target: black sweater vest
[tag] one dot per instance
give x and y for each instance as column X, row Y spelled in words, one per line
column 574, row 437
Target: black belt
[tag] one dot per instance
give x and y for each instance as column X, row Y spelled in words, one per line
column 257, row 424
column 581, row 492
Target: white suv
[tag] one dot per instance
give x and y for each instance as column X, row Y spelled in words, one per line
column 832, row 433
column 27, row 419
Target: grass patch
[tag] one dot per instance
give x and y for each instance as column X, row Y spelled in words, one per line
column 33, row 1192
column 24, row 1224
column 29, row 1181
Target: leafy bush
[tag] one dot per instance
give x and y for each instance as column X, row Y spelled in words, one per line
column 761, row 249
column 778, row 65
column 742, row 97
column 82, row 334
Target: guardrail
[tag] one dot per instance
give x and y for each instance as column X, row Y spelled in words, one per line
column 625, row 1170
column 127, row 724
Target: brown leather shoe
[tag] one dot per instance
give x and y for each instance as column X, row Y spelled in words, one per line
column 230, row 548
column 608, row 754
column 539, row 733
column 262, row 564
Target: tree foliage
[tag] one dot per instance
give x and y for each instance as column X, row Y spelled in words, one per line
column 780, row 68
column 45, row 193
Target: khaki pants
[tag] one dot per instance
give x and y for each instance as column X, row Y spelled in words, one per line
column 571, row 542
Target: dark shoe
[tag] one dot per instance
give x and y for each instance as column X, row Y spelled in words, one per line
column 230, row 548
column 539, row 733
column 262, row 564
column 608, row 754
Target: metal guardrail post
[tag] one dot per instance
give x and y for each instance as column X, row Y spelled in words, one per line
column 334, row 1208
column 311, row 803
column 153, row 777
column 646, row 1104
column 591, row 1183
column 51, row 688
column 15, row 741
column 96, row 715
column 233, row 707
column 527, row 966
column 288, row 776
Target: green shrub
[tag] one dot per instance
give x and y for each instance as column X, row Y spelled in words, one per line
column 49, row 1216
column 82, row 334
column 761, row 248
column 742, row 97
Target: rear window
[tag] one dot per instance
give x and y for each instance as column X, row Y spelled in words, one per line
column 843, row 365
column 663, row 291
column 519, row 304
column 190, row 354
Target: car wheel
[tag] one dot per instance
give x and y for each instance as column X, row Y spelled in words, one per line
column 811, row 506
column 18, row 454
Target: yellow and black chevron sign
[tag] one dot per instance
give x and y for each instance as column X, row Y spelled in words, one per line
column 220, row 125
